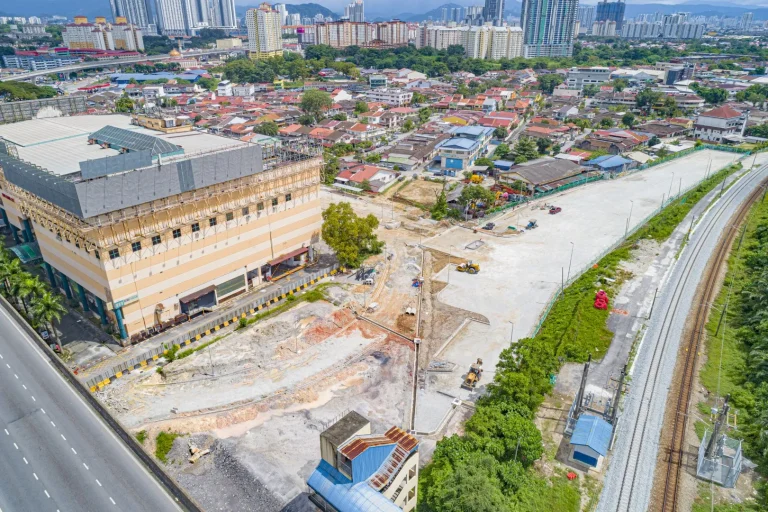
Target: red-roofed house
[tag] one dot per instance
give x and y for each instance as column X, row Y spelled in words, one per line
column 377, row 177
column 717, row 124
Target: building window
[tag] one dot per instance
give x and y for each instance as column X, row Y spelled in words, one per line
column 136, row 246
column 274, row 202
column 195, row 227
column 114, row 253
column 246, row 211
column 230, row 216
column 287, row 197
column 156, row 240
column 97, row 254
column 176, row 233
column 260, row 207
column 212, row 221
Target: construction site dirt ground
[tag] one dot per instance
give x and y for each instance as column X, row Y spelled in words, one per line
column 421, row 191
column 520, row 275
column 266, row 392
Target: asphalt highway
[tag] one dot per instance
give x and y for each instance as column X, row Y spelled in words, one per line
column 56, row 454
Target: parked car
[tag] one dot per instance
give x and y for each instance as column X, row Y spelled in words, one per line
column 489, row 226
column 555, row 209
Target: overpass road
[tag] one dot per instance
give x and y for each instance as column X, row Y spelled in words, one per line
column 56, row 454
column 109, row 63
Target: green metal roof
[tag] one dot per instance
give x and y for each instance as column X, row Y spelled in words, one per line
column 27, row 253
column 119, row 138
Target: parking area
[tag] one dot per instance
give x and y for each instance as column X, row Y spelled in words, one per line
column 520, row 274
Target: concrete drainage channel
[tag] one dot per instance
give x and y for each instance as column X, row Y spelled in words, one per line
column 166, row 481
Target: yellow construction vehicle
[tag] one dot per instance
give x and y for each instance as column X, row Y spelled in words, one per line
column 473, row 375
column 468, row 267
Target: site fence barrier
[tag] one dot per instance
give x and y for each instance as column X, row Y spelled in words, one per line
column 217, row 322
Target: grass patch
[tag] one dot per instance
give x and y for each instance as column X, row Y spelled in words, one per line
column 164, row 443
column 189, row 352
column 313, row 295
column 141, row 436
column 703, row 503
column 700, row 428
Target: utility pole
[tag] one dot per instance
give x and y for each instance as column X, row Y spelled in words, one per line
column 653, row 303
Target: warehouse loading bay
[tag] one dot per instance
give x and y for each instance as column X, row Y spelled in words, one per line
column 259, row 397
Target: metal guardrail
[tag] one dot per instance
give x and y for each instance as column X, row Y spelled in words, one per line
column 197, row 333
column 168, row 483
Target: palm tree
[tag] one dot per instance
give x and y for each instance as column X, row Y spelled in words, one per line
column 22, row 285
column 8, row 269
column 47, row 310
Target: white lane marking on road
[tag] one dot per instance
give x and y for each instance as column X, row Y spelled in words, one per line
column 42, row 410
column 110, row 499
column 6, row 364
column 33, row 398
column 15, row 375
column 64, row 438
column 86, row 466
column 93, row 414
column 73, row 451
column 25, row 387
column 97, row 481
column 17, row 446
column 46, row 493
column 54, row 425
column 35, row 475
column 25, row 460
column 1, row 357
column 6, row 433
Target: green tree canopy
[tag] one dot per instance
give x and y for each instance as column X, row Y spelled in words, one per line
column 525, row 149
column 267, row 128
column 549, row 82
column 361, row 107
column 350, row 236
column 628, row 120
column 500, row 133
column 439, row 210
column 315, row 102
column 473, row 194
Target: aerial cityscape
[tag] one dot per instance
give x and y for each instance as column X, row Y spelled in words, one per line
column 304, row 257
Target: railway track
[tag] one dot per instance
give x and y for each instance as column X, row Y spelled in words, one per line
column 674, row 467
column 627, row 499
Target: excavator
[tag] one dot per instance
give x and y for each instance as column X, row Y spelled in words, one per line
column 468, row 267
column 473, row 375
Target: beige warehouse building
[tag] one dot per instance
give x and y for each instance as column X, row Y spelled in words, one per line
column 144, row 226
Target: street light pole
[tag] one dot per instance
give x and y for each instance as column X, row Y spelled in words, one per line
column 670, row 185
column 629, row 219
column 569, row 262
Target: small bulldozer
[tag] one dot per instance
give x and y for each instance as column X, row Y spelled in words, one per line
column 473, row 375
column 468, row 267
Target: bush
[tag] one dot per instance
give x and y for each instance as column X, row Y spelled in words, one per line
column 141, row 436
column 242, row 323
column 164, row 443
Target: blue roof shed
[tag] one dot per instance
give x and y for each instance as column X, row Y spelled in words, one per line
column 592, row 432
column 610, row 163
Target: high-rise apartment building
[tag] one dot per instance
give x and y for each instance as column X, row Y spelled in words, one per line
column 604, row 28
column 343, row 33
column 101, row 35
column 265, row 39
column 611, row 11
column 746, row 21
column 586, row 16
column 293, row 19
column 136, row 12
column 479, row 42
column 548, row 27
column 283, row 10
column 355, row 11
column 494, row 12
column 174, row 17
